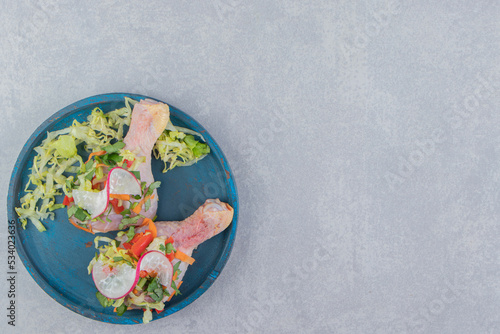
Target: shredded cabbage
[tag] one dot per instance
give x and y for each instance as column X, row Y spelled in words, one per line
column 156, row 243
column 57, row 158
column 148, row 316
column 109, row 254
column 118, row 302
column 177, row 146
column 65, row 146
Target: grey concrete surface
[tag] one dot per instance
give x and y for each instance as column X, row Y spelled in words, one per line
column 364, row 136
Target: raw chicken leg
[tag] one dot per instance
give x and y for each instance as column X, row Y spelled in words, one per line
column 207, row 221
column 149, row 119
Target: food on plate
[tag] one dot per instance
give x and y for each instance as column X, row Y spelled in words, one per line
column 144, row 267
column 98, row 172
column 80, row 157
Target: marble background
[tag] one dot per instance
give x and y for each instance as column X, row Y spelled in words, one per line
column 363, row 136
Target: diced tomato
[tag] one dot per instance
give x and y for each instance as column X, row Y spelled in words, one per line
column 143, row 273
column 129, row 163
column 116, row 207
column 170, row 240
column 67, row 200
column 126, row 245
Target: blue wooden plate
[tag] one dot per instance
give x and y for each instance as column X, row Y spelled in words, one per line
column 57, row 259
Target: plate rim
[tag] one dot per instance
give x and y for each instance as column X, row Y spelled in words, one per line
column 16, row 175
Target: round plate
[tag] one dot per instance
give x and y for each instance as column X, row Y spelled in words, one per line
column 57, row 259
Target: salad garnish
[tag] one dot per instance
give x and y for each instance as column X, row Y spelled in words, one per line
column 137, row 271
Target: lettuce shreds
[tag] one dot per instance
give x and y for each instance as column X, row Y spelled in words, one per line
column 57, row 158
column 177, row 146
column 110, row 254
column 148, row 316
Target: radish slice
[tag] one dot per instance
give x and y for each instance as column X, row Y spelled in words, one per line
column 114, row 283
column 94, row 202
column 121, row 181
column 157, row 261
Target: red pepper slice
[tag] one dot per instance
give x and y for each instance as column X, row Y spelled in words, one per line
column 114, row 203
column 140, row 245
column 129, row 163
column 170, row 256
column 136, row 237
column 67, row 200
column 126, row 245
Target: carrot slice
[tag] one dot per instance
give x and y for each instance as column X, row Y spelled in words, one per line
column 144, row 223
column 184, row 257
column 123, row 197
column 138, row 208
column 95, row 153
column 152, row 227
column 81, row 228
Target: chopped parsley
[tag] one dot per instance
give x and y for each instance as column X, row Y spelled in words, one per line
column 152, row 187
column 105, row 302
column 116, row 147
column 121, row 309
column 81, row 214
column 176, row 268
column 155, row 290
column 130, row 233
